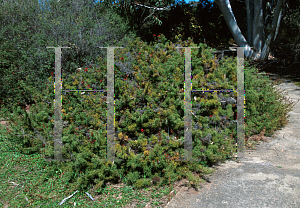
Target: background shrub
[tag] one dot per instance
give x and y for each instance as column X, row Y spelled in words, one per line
column 29, row 30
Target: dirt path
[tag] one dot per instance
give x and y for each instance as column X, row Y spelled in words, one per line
column 262, row 177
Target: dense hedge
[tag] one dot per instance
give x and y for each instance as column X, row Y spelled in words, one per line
column 149, row 101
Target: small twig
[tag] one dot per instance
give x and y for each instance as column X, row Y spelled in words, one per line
column 193, row 114
column 63, row 201
column 89, row 196
column 15, row 184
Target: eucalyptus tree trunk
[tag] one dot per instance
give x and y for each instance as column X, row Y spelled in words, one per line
column 255, row 27
column 274, row 30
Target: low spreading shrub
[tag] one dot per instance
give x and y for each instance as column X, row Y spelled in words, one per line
column 149, row 102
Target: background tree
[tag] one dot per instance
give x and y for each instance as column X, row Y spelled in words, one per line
column 261, row 24
column 27, row 30
column 286, row 45
column 200, row 20
column 138, row 14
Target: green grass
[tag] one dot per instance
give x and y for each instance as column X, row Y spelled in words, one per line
column 20, row 186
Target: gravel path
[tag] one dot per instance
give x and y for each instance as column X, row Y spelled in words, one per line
column 261, row 178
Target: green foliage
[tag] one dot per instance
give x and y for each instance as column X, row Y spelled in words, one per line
column 14, row 55
column 264, row 106
column 28, row 31
column 142, row 183
column 138, row 16
column 203, row 22
column 149, row 101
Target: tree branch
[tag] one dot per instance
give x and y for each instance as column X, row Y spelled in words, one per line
column 146, row 18
column 155, row 8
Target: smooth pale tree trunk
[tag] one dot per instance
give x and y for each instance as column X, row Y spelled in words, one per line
column 255, row 27
column 274, row 30
column 231, row 22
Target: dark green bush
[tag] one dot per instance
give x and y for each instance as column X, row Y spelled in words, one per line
column 148, row 92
